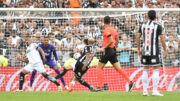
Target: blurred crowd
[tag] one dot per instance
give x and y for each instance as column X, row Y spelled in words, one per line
column 90, row 3
column 67, row 33
column 66, row 36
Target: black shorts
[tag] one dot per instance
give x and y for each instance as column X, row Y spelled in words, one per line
column 78, row 70
column 109, row 55
column 150, row 60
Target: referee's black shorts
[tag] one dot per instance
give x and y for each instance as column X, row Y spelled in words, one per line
column 109, row 55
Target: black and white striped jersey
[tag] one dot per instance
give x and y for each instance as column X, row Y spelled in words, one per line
column 87, row 49
column 150, row 32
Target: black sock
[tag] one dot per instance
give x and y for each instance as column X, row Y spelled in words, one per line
column 21, row 80
column 83, row 82
column 55, row 82
column 61, row 74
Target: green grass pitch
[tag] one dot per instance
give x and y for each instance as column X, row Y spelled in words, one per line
column 86, row 96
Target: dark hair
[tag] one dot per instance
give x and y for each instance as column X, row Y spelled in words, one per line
column 86, row 41
column 107, row 20
column 152, row 14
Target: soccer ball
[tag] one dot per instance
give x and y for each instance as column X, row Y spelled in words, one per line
column 76, row 55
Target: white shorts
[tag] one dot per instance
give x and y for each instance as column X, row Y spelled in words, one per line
column 73, row 64
column 39, row 67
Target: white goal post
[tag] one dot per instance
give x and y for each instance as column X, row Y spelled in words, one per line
column 61, row 24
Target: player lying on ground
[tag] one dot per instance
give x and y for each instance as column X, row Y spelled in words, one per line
column 48, row 50
column 150, row 56
column 34, row 63
column 83, row 62
column 110, row 41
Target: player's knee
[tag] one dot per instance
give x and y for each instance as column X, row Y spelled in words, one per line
column 22, row 74
column 100, row 65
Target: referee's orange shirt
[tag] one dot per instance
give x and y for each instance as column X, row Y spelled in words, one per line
column 109, row 31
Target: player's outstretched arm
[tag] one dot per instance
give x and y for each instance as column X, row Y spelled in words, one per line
column 21, row 59
column 163, row 44
column 42, row 53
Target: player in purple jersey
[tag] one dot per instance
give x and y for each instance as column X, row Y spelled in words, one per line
column 49, row 49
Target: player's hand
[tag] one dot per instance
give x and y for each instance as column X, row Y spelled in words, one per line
column 140, row 53
column 165, row 54
column 45, row 60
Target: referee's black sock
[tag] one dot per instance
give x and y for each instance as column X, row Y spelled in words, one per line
column 61, row 74
column 21, row 80
column 83, row 82
column 55, row 82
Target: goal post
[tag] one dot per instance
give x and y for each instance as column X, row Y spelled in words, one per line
column 66, row 28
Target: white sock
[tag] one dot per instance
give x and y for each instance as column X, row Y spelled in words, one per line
column 155, row 78
column 145, row 79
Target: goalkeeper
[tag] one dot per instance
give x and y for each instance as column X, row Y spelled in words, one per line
column 48, row 50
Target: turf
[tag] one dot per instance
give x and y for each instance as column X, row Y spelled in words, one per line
column 86, row 96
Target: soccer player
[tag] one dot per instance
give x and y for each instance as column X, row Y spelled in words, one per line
column 79, row 49
column 48, row 50
column 110, row 41
column 150, row 56
column 34, row 62
column 82, row 64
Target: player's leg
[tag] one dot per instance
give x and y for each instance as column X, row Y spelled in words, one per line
column 116, row 65
column 58, row 72
column 21, row 80
column 100, row 75
column 78, row 77
column 32, row 79
column 155, row 78
column 84, row 83
column 53, row 65
column 28, row 68
column 145, row 80
column 69, row 67
column 40, row 68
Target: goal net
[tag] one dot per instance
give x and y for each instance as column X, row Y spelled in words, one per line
column 66, row 28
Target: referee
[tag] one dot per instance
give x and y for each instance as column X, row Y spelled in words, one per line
column 110, row 41
column 150, row 55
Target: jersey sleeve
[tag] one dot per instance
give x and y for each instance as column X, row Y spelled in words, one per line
column 159, row 30
column 35, row 45
column 107, row 33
